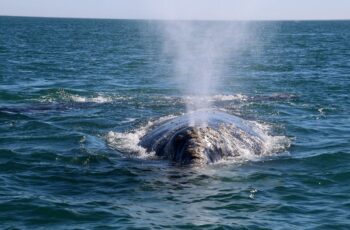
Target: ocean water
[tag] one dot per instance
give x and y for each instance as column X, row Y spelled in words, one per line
column 68, row 85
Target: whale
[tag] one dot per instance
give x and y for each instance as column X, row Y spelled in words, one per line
column 203, row 137
column 46, row 107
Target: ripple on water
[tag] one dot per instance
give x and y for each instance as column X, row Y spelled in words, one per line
column 65, row 83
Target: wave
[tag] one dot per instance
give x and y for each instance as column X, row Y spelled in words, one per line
column 218, row 98
column 98, row 99
column 234, row 97
column 64, row 96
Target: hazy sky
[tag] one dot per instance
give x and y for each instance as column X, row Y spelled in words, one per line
column 181, row 9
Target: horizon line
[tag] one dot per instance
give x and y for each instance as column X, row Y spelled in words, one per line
column 169, row 19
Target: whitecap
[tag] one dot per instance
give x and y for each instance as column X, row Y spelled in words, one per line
column 98, row 99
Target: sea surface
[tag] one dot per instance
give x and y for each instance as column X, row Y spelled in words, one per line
column 68, row 85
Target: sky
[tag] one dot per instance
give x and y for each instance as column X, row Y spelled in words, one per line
column 181, row 9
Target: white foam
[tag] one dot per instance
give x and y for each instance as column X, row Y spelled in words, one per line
column 128, row 142
column 98, row 99
column 238, row 97
column 272, row 144
column 128, row 120
column 216, row 98
column 63, row 96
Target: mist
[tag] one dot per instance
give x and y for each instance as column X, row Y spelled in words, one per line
column 200, row 52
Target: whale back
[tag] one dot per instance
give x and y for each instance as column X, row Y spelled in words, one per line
column 221, row 135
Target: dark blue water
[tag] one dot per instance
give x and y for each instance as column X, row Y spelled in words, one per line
column 65, row 84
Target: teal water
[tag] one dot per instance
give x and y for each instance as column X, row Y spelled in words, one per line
column 66, row 83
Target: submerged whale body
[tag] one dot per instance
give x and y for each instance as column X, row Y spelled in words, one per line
column 184, row 141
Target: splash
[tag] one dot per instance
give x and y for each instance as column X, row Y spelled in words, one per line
column 128, row 142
